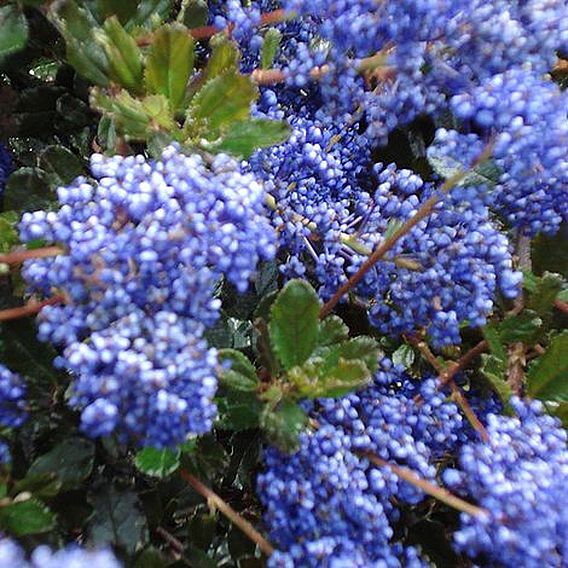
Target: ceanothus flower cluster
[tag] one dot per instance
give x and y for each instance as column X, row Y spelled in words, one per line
column 12, row 399
column 12, row 556
column 144, row 249
column 327, row 503
column 519, row 477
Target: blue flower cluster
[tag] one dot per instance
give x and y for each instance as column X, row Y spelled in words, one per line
column 12, row 399
column 327, row 503
column 145, row 247
column 12, row 556
column 5, row 166
column 520, row 478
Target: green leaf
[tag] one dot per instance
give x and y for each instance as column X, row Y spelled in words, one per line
column 270, row 46
column 13, row 30
column 362, row 348
column 42, row 485
column 26, row 517
column 124, row 11
column 294, row 323
column 284, row 424
column 124, row 55
column 150, row 13
column 404, row 356
column 27, row 189
column 526, row 327
column 61, row 164
column 170, row 63
column 495, row 371
column 238, row 410
column 241, row 375
column 541, row 298
column 194, row 13
column 117, row 519
column 561, row 412
column 496, row 346
column 77, row 25
column 485, row 173
column 224, row 57
column 546, row 377
column 221, row 101
column 71, row 461
column 248, row 135
column 332, row 330
column 157, row 463
column 322, row 378
column 8, row 232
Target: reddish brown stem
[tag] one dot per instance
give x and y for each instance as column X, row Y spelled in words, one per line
column 562, row 306
column 17, row 257
column 30, row 309
column 435, row 491
column 214, row 500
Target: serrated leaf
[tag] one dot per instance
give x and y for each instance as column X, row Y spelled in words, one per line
column 541, row 297
column 71, row 461
column 362, row 348
column 61, row 164
column 194, row 13
column 238, row 410
column 13, row 30
column 495, row 371
column 170, row 63
column 8, row 232
column 27, row 189
column 224, row 57
column 485, row 173
column 245, row 136
column 404, row 356
column 270, row 45
column 117, row 519
column 157, row 463
column 123, row 54
column 241, row 375
column 26, row 517
column 546, row 377
column 332, row 330
column 77, row 25
column 526, row 327
column 150, row 13
column 294, row 323
column 496, row 346
column 222, row 101
column 284, row 424
column 321, row 378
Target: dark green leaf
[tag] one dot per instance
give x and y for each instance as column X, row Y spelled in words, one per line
column 221, row 101
column 71, row 461
column 26, row 517
column 525, row 327
column 332, row 330
column 404, row 356
column 238, row 410
column 495, row 371
column 150, row 558
column 248, row 135
column 496, row 346
column 150, row 13
column 362, row 348
column 194, row 13
column 561, row 412
column 124, row 11
column 542, row 297
column 42, row 485
column 270, row 46
column 294, row 323
column 157, row 463
column 284, row 424
column 123, row 54
column 27, row 189
column 117, row 520
column 61, row 163
column 241, row 374
column 13, row 30
column 546, row 377
column 170, row 63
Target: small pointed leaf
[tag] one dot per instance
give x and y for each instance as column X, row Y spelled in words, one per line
column 546, row 377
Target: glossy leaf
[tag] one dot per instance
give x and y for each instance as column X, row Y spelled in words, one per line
column 26, row 517
column 332, row 330
column 284, row 424
column 240, row 374
column 546, row 377
column 294, row 323
column 13, row 30
column 157, row 463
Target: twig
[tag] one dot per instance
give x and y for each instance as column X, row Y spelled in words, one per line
column 172, row 541
column 448, row 377
column 17, row 257
column 424, row 211
column 435, row 491
column 462, row 363
column 30, row 309
column 214, row 500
